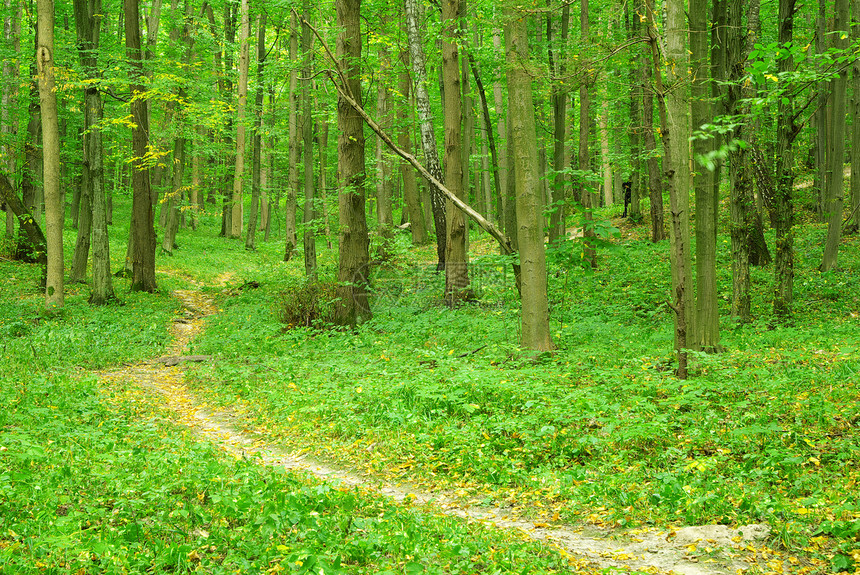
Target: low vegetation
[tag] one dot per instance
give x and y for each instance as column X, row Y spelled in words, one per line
column 96, row 480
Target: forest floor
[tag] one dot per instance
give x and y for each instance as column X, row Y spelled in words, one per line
column 692, row 550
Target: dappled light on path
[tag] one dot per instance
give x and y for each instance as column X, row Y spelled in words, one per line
column 703, row 550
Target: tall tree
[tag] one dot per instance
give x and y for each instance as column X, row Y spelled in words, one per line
column 417, row 225
column 241, row 106
column 352, row 305
column 671, row 131
column 12, row 35
column 707, row 335
column 535, row 308
column 456, row 258
column 558, row 97
column 854, row 225
column 586, row 197
column 293, row 135
column 88, row 18
column 54, row 296
column 258, row 199
column 309, row 240
column 834, row 194
column 786, row 133
column 142, row 223
column 428, row 137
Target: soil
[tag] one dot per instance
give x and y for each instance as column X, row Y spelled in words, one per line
column 695, row 550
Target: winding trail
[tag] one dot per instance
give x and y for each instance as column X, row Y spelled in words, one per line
column 703, row 550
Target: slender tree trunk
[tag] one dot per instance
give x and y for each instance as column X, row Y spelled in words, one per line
column 12, row 36
column 293, row 178
column 456, row 259
column 503, row 163
column 635, row 79
column 143, row 231
column 417, row 224
column 535, row 308
column 81, row 255
column 384, row 216
column 322, row 181
column 309, row 240
column 818, row 121
column 605, row 161
column 679, row 248
column 558, row 98
column 589, row 254
column 352, row 305
column 655, row 178
column 784, row 207
column 241, row 105
column 742, row 201
column 854, row 225
column 54, row 297
column 834, row 196
column 428, row 138
column 257, row 138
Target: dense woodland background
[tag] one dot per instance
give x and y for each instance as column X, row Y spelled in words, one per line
column 275, row 114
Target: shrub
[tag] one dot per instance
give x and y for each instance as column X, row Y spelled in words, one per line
column 310, row 304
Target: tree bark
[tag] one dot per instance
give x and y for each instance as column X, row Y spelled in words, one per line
column 293, row 175
column 352, row 305
column 143, row 231
column 786, row 132
column 558, row 98
column 707, row 334
column 12, row 35
column 26, row 222
column 257, row 197
column 428, row 138
column 854, row 224
column 309, row 240
column 457, row 286
column 586, row 196
column 535, row 308
column 418, row 226
column 54, row 296
column 679, row 249
column 834, row 196
column 241, row 105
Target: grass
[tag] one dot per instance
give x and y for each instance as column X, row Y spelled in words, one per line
column 95, row 479
column 599, row 431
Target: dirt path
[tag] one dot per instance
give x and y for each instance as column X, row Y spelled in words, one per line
column 702, row 550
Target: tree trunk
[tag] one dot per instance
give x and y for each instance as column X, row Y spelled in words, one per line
column 707, row 334
column 257, row 138
column 783, row 204
column 293, row 175
column 54, row 297
column 457, row 286
column 12, row 36
column 417, row 224
column 352, row 305
column 678, row 170
column 818, row 121
column 241, row 105
column 655, row 177
column 535, row 308
column 322, row 137
column 854, row 225
column 558, row 98
column 143, row 231
column 635, row 131
column 679, row 249
column 586, row 196
column 384, row 216
column 26, row 222
column 81, row 255
column 428, row 138
column 834, row 196
column 503, row 164
column 309, row 240
column 605, row 161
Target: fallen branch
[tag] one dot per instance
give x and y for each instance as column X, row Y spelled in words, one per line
column 173, row 360
column 344, row 92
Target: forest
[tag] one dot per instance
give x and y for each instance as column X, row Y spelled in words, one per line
column 430, row 287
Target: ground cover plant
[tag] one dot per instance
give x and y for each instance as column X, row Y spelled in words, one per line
column 95, row 479
column 600, row 430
